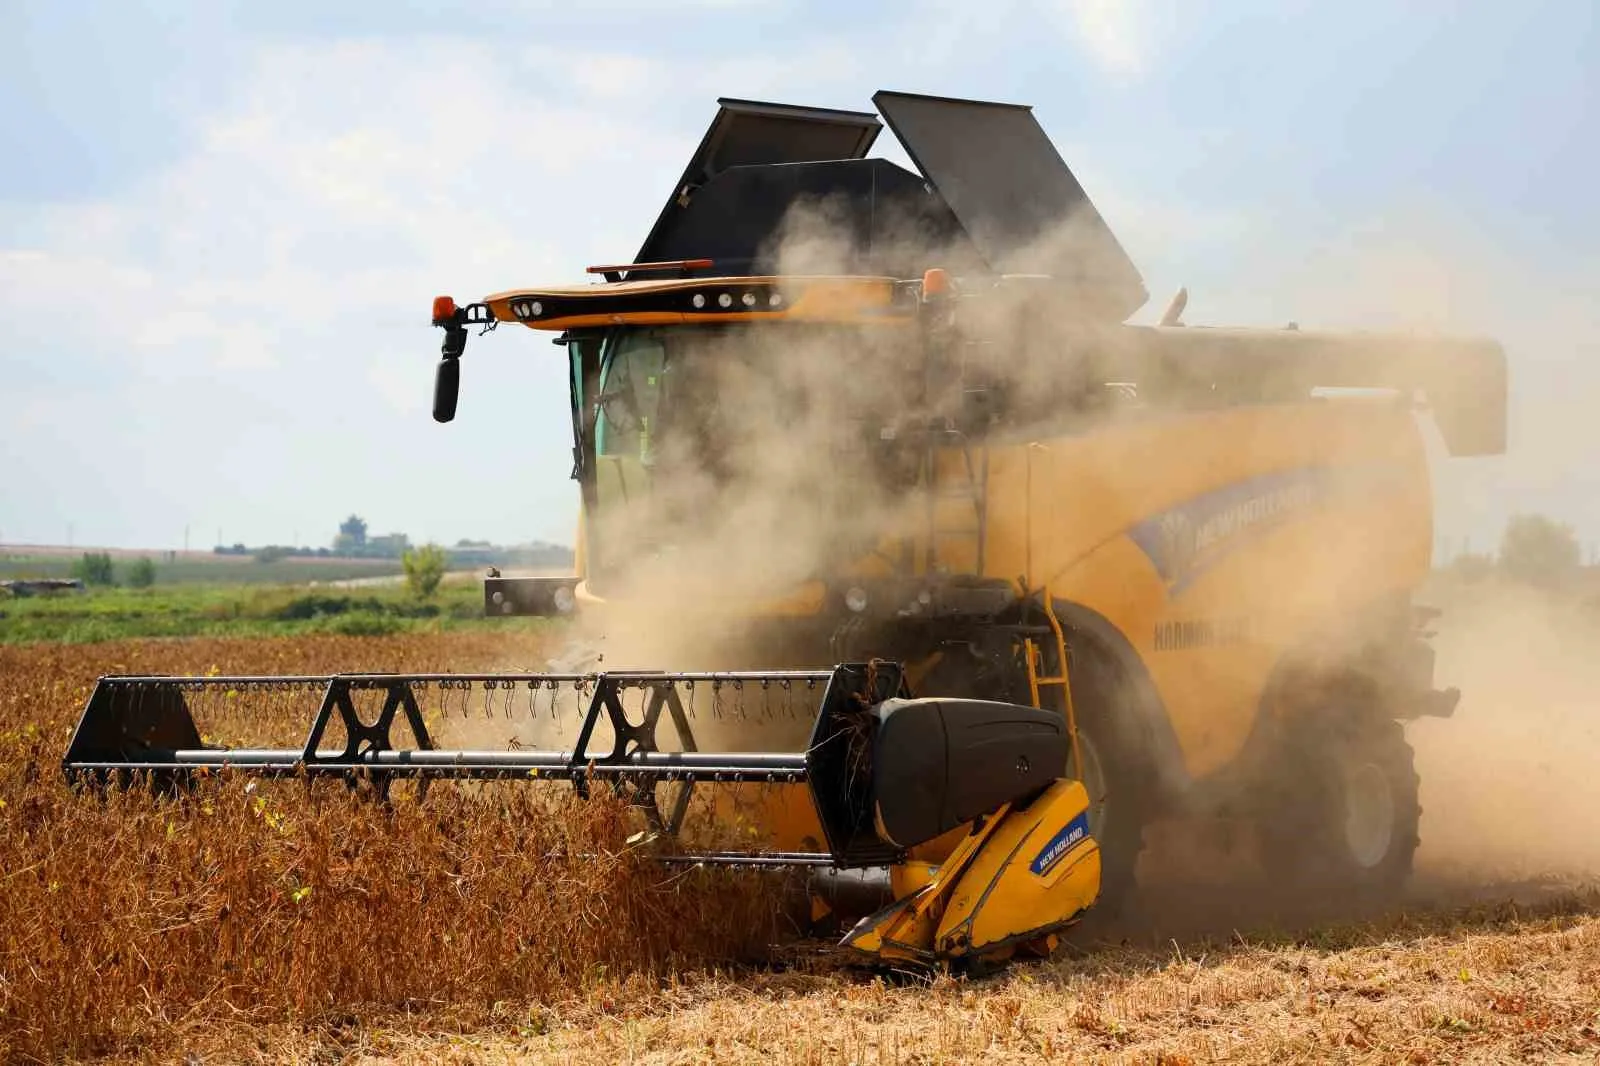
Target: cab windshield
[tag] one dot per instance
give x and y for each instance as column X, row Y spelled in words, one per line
column 685, row 420
column 631, row 370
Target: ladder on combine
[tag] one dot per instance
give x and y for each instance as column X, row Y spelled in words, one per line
column 1039, row 680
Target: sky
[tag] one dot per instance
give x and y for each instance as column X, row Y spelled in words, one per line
column 222, row 223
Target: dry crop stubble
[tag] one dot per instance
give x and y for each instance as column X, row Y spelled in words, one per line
column 129, row 918
column 277, row 925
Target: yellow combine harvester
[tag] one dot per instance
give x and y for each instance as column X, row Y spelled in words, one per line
column 894, row 428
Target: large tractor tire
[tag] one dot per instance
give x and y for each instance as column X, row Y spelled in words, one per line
column 1341, row 823
column 1117, row 779
column 1116, row 771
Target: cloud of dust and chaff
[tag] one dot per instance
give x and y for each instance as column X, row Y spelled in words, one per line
column 760, row 483
column 1508, row 787
column 764, row 463
column 1511, row 783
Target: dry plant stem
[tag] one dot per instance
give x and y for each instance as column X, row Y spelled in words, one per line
column 126, row 916
column 285, row 924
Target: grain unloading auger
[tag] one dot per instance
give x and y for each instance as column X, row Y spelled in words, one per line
column 883, row 773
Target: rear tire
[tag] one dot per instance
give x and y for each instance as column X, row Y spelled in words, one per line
column 1343, row 813
column 1116, row 818
column 1116, row 779
column 1116, row 773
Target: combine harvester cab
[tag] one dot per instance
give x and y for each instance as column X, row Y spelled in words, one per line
column 884, row 773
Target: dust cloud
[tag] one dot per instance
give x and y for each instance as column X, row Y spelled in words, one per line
column 1510, row 791
column 760, row 475
column 760, row 484
column 1511, row 783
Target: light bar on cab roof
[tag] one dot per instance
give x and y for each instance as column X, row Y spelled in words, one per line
column 614, row 271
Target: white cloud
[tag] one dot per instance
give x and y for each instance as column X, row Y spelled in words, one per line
column 1115, row 33
column 1117, row 36
column 247, row 324
column 254, row 314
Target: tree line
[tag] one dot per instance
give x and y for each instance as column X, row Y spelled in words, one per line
column 1534, row 550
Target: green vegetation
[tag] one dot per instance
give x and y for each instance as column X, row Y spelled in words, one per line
column 105, row 613
column 95, row 568
column 424, row 568
column 214, row 569
column 141, row 573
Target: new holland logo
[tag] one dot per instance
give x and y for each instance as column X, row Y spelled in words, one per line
column 1182, row 542
column 1071, row 835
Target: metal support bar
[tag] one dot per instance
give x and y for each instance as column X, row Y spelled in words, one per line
column 667, row 766
column 145, row 729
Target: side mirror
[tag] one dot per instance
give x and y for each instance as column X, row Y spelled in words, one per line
column 447, row 380
column 446, row 387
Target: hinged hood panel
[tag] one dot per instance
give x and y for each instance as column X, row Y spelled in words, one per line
column 1014, row 195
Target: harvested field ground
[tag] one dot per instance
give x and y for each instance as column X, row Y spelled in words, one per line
column 274, row 924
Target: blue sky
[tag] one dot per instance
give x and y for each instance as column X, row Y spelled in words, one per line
column 221, row 224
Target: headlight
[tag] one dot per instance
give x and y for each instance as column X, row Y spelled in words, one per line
column 855, row 598
column 564, row 599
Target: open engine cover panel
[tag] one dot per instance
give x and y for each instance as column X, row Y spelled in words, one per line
column 1018, row 201
column 993, row 195
column 869, row 217
column 748, row 133
column 940, row 762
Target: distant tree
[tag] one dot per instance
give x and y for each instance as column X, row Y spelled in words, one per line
column 141, row 573
column 352, row 534
column 95, row 568
column 424, row 569
column 271, row 553
column 1539, row 550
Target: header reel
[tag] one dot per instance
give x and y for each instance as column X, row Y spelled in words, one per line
column 884, row 773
